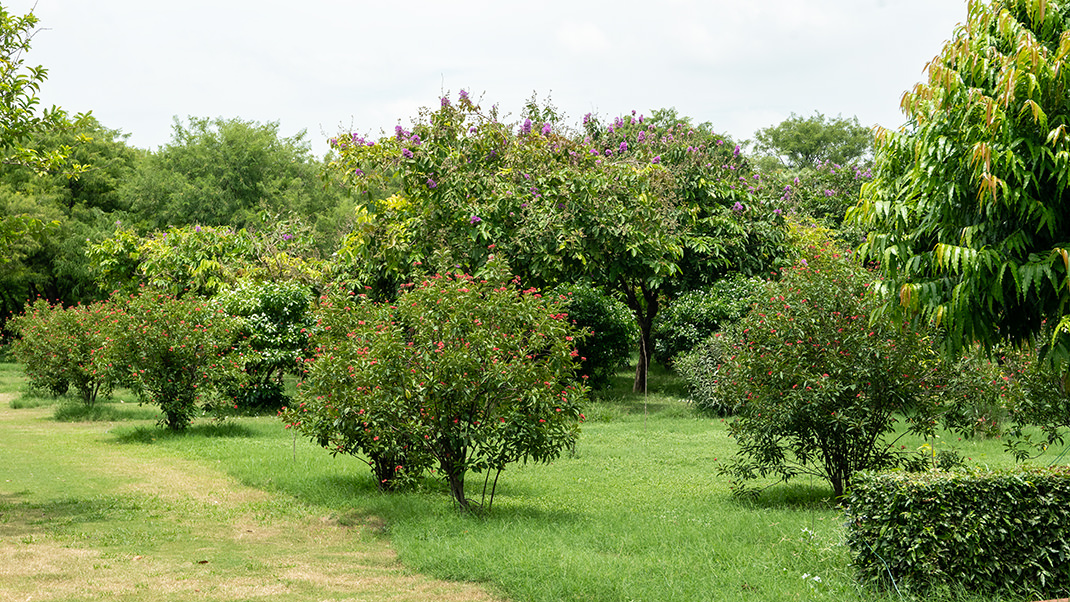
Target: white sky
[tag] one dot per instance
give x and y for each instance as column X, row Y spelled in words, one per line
column 332, row 65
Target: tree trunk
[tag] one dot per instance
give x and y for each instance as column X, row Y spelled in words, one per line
column 645, row 307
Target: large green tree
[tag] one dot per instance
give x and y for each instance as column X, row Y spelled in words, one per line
column 227, row 172
column 969, row 210
column 629, row 206
column 808, row 141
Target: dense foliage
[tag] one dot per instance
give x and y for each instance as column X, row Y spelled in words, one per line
column 807, row 142
column 471, row 374
column 996, row 533
column 695, row 315
column 60, row 347
column 815, row 385
column 177, row 352
column 968, row 207
column 610, row 327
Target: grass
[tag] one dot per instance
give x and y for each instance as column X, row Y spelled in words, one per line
column 638, row 513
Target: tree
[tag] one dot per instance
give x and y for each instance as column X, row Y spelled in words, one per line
column 805, row 142
column 226, row 172
column 634, row 209
column 969, row 210
column 473, row 373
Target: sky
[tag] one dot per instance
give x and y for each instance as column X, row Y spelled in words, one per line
column 334, row 66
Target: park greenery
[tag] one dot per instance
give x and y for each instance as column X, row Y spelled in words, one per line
column 464, row 295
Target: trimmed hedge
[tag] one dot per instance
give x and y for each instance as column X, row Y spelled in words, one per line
column 984, row 532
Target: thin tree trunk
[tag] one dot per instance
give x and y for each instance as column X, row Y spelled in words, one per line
column 645, row 308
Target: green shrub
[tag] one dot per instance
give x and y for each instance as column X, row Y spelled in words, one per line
column 74, row 346
column 472, row 374
column 273, row 317
column 817, row 386
column 613, row 333
column 987, row 532
column 177, row 352
column 695, row 315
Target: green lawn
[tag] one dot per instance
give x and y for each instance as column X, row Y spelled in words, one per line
column 638, row 513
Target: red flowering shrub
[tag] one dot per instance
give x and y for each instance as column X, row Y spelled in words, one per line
column 465, row 373
column 815, row 385
column 61, row 347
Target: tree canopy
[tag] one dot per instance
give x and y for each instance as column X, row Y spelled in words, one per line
column 631, row 206
column 807, row 141
column 968, row 210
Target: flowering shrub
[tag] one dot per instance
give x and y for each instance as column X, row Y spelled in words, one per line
column 467, row 373
column 177, row 351
column 817, row 386
column 60, row 347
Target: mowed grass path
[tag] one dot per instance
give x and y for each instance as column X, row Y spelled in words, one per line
column 85, row 517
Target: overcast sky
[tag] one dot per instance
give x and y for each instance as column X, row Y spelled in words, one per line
column 349, row 65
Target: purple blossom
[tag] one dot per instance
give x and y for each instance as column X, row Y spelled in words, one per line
column 431, row 183
column 737, row 207
column 546, row 129
column 776, row 211
column 400, row 132
column 406, row 153
column 463, row 94
column 642, row 136
column 416, row 139
column 609, row 152
column 198, row 229
column 445, row 102
column 720, row 142
column 333, row 142
column 287, row 236
column 829, row 192
column 358, row 172
column 475, row 219
column 594, row 151
column 526, row 127
column 623, row 146
column 586, row 118
column 472, row 130
column 656, row 159
column 735, row 153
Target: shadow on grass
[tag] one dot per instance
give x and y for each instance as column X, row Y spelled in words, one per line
column 76, row 411
column 793, row 496
column 22, row 517
column 147, row 435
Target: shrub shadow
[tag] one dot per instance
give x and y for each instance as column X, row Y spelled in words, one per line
column 147, row 435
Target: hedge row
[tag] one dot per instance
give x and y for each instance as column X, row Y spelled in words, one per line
column 986, row 532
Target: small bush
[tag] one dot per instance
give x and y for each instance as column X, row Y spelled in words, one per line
column 63, row 347
column 612, row 326
column 693, row 316
column 987, row 532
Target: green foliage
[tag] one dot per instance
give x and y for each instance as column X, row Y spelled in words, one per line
column 177, row 352
column 808, row 142
column 275, row 317
column 470, row 373
column 226, row 172
column 74, row 346
column 816, row 385
column 610, row 324
column 968, row 207
column 999, row 532
column 19, row 86
column 824, row 192
column 203, row 259
column 695, row 315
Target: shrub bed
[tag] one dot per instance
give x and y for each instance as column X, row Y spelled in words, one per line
column 985, row 532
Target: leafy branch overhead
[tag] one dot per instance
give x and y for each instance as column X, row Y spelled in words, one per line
column 968, row 207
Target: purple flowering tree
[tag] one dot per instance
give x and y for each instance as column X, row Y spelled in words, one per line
column 638, row 207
